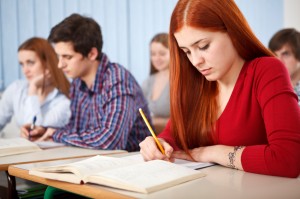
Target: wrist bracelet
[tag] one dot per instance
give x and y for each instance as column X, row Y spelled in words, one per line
column 231, row 156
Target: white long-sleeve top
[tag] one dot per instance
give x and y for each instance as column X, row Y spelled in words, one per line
column 53, row 112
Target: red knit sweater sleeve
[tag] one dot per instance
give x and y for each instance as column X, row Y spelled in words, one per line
column 279, row 108
column 167, row 136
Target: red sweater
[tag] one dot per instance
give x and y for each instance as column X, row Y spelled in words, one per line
column 263, row 115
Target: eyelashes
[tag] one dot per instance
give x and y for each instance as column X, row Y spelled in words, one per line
column 200, row 48
column 204, row 47
column 29, row 63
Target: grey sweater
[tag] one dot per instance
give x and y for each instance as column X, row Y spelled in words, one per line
column 161, row 106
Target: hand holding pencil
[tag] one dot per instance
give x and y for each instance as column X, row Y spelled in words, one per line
column 153, row 147
column 32, row 126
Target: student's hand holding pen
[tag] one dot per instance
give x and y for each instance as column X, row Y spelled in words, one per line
column 35, row 133
column 150, row 150
column 47, row 135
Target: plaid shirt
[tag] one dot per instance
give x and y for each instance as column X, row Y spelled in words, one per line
column 106, row 116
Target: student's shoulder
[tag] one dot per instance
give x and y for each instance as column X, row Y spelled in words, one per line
column 59, row 95
column 18, row 85
column 149, row 79
column 266, row 68
column 267, row 64
column 60, row 99
column 15, row 90
column 120, row 81
column 118, row 74
column 117, row 69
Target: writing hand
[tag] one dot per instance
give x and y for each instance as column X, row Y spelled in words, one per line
column 25, row 130
column 150, row 151
column 47, row 135
column 37, row 132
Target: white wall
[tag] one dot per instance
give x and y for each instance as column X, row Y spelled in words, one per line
column 265, row 17
column 291, row 14
column 127, row 26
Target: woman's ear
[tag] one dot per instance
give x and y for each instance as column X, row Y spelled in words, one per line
column 93, row 54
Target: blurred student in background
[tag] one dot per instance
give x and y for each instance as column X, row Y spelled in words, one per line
column 44, row 92
column 286, row 46
column 105, row 97
column 156, row 87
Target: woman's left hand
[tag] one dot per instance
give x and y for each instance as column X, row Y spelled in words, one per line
column 200, row 154
column 215, row 154
column 47, row 135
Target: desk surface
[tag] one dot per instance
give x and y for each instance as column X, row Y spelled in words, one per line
column 52, row 154
column 220, row 182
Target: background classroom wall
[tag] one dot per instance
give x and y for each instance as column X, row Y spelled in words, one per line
column 127, row 26
column 291, row 14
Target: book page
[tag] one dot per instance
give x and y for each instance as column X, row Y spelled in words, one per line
column 66, row 177
column 49, row 144
column 88, row 166
column 100, row 164
column 146, row 177
column 12, row 146
column 192, row 165
column 186, row 163
column 14, row 142
column 128, row 174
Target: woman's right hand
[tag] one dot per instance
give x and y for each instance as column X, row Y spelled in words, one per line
column 150, row 150
column 37, row 82
column 36, row 133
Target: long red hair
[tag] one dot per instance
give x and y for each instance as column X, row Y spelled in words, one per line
column 49, row 60
column 194, row 99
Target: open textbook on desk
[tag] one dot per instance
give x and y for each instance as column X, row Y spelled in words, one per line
column 12, row 146
column 121, row 173
column 185, row 163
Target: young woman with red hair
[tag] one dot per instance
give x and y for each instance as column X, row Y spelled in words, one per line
column 43, row 93
column 232, row 102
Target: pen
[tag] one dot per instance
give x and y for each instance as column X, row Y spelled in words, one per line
column 152, row 132
column 32, row 126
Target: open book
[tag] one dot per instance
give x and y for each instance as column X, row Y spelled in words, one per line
column 185, row 163
column 121, row 173
column 11, row 146
column 49, row 144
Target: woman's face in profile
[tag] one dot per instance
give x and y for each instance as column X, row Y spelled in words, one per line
column 286, row 55
column 160, row 56
column 30, row 63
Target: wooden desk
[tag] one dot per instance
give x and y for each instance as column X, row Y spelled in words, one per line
column 52, row 154
column 46, row 155
column 220, row 182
